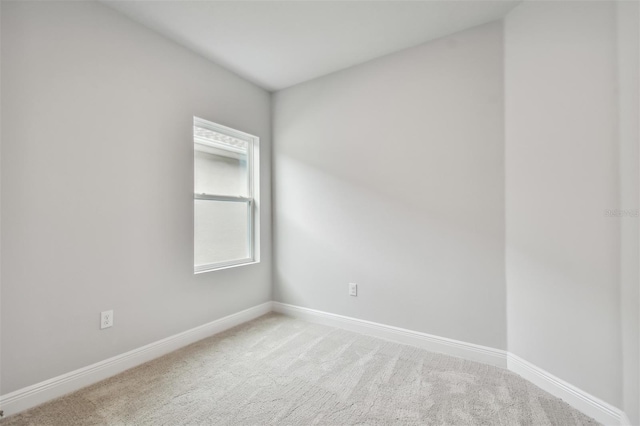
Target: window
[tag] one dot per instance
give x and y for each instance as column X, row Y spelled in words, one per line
column 226, row 197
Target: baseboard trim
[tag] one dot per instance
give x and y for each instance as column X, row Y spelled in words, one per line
column 47, row 390
column 590, row 405
column 39, row 393
column 577, row 398
column 426, row 341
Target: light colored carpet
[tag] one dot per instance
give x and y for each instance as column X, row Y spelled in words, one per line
column 280, row 370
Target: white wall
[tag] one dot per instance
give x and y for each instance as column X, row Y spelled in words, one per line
column 562, row 252
column 97, row 187
column 628, row 17
column 0, row 198
column 391, row 175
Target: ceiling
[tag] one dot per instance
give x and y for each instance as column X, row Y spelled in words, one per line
column 277, row 44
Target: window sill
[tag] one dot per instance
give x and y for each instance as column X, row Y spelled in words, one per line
column 227, row 265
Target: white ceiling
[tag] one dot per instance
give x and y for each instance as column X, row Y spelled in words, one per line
column 277, row 44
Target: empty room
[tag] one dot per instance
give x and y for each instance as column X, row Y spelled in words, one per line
column 319, row 212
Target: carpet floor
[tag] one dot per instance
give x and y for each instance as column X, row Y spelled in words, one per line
column 285, row 371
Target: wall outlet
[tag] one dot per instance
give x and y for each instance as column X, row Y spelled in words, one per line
column 106, row 319
column 353, row 289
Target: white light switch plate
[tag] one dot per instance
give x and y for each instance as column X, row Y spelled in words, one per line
column 353, row 289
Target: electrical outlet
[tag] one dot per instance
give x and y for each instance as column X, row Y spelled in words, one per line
column 106, row 319
column 353, row 289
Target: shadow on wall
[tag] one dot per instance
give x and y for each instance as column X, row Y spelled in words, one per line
column 406, row 254
column 390, row 174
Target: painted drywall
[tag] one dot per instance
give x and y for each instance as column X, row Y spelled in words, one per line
column 562, row 250
column 97, row 187
column 628, row 48
column 0, row 200
column 390, row 175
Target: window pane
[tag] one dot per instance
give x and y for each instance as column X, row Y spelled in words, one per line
column 221, row 233
column 220, row 172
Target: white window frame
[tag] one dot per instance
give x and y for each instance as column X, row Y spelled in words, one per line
column 252, row 200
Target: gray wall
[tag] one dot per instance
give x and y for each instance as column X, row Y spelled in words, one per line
column 629, row 113
column 562, row 252
column 391, row 175
column 97, row 187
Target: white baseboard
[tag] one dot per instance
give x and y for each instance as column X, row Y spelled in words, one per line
column 577, row 398
column 426, row 341
column 39, row 393
column 594, row 407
